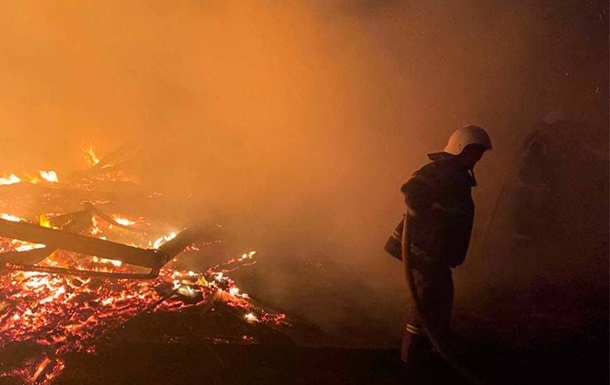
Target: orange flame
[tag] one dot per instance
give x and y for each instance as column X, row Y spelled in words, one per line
column 44, row 221
column 89, row 155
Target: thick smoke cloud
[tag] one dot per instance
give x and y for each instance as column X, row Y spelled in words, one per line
column 297, row 122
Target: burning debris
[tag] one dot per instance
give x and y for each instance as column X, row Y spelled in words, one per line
column 43, row 176
column 70, row 279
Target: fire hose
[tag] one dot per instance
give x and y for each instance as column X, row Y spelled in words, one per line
column 438, row 343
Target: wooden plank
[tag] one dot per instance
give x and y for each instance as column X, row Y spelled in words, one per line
column 58, row 239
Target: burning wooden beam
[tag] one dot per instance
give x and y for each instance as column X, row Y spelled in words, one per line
column 94, row 210
column 27, row 257
column 73, row 222
column 187, row 237
column 59, row 239
column 153, row 273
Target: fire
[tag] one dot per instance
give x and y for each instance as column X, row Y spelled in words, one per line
column 49, row 176
column 234, row 291
column 124, row 221
column 9, row 217
column 247, row 255
column 67, row 314
column 41, row 301
column 63, row 314
column 12, row 179
column 46, row 370
column 44, row 221
column 110, row 261
column 25, row 246
column 161, row 240
column 88, row 154
column 250, row 317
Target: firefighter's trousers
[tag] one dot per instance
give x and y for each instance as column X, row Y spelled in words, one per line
column 435, row 289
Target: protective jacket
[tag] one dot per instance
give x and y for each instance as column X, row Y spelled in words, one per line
column 441, row 211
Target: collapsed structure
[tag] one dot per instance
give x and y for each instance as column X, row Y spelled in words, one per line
column 73, row 278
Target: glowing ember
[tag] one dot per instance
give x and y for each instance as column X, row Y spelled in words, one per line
column 250, row 317
column 49, row 176
column 95, row 228
column 234, row 291
column 124, row 221
column 248, row 255
column 46, row 370
column 110, row 261
column 64, row 312
column 67, row 314
column 25, row 246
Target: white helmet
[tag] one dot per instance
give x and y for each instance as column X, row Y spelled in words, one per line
column 466, row 135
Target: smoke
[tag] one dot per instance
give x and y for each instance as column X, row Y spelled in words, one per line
column 294, row 122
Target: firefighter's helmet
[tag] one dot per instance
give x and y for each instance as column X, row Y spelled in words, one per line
column 466, row 135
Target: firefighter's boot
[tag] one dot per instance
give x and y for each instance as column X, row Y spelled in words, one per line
column 416, row 347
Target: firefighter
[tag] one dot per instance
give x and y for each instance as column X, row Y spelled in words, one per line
column 546, row 149
column 440, row 213
column 533, row 182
